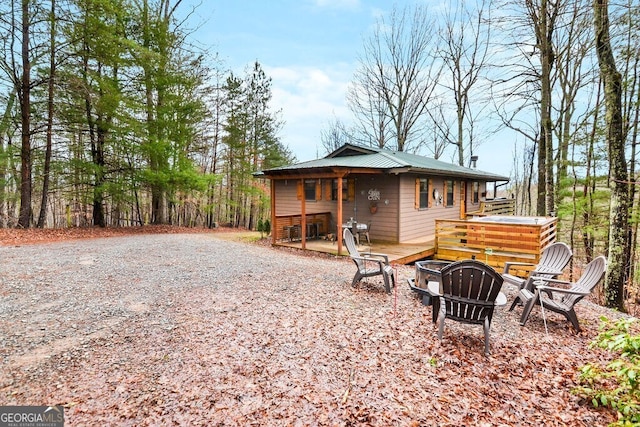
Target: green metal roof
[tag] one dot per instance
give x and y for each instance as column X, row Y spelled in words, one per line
column 355, row 157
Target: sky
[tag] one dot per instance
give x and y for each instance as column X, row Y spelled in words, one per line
column 310, row 50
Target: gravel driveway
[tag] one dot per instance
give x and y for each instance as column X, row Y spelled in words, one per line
column 191, row 329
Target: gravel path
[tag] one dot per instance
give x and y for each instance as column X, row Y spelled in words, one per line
column 191, row 329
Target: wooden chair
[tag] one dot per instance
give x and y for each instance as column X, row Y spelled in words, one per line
column 369, row 264
column 553, row 260
column 546, row 295
column 469, row 292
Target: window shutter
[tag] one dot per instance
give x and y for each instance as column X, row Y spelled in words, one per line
column 455, row 191
column 318, row 189
column 417, row 198
column 300, row 189
column 351, row 195
column 327, row 189
column 429, row 194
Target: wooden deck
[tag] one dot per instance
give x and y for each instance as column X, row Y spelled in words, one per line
column 493, row 240
column 398, row 253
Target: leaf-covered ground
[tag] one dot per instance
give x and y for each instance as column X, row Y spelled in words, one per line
column 160, row 326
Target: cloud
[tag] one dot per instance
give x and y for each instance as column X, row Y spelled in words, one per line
column 338, row 4
column 309, row 98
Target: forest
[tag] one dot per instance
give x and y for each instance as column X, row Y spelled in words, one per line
column 112, row 116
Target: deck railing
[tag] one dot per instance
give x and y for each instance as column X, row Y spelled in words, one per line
column 495, row 207
column 494, row 243
column 288, row 226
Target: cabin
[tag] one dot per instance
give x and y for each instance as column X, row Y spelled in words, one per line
column 398, row 195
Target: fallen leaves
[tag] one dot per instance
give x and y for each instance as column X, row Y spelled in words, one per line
column 194, row 334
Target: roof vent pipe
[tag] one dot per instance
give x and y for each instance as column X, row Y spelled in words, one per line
column 472, row 161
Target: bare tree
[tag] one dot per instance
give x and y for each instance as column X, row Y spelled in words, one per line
column 543, row 15
column 334, row 135
column 370, row 110
column 465, row 52
column 529, row 77
column 397, row 74
column 442, row 135
column 575, row 76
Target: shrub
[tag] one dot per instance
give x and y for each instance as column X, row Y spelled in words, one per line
column 616, row 384
column 264, row 227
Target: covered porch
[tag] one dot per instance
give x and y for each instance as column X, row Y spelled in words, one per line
column 492, row 239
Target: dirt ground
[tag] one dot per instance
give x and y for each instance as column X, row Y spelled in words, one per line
column 173, row 326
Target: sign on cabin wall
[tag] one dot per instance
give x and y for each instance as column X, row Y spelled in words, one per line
column 373, row 196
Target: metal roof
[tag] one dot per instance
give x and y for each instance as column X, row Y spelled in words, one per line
column 355, row 157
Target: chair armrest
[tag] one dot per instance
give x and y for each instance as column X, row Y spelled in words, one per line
column 365, row 259
column 507, row 265
column 547, row 271
column 550, row 280
column 561, row 290
column 376, row 255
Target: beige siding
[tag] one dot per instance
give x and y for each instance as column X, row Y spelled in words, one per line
column 287, row 202
column 419, row 224
column 384, row 222
column 384, row 225
column 396, row 218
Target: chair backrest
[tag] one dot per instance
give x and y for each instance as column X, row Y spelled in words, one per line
column 591, row 276
column 350, row 243
column 470, row 289
column 555, row 257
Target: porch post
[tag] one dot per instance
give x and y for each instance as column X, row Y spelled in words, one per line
column 339, row 219
column 303, row 219
column 272, row 184
column 463, row 199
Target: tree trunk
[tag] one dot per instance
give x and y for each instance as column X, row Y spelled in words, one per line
column 544, row 31
column 618, row 257
column 50, row 94
column 25, row 106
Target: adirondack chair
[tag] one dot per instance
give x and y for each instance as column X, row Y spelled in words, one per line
column 469, row 290
column 553, row 260
column 369, row 264
column 563, row 300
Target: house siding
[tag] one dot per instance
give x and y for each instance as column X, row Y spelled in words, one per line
column 384, row 222
column 287, row 202
column 395, row 219
column 419, row 224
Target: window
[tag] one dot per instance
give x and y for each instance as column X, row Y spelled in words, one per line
column 310, row 189
column 475, row 191
column 423, row 192
column 448, row 189
column 345, row 189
